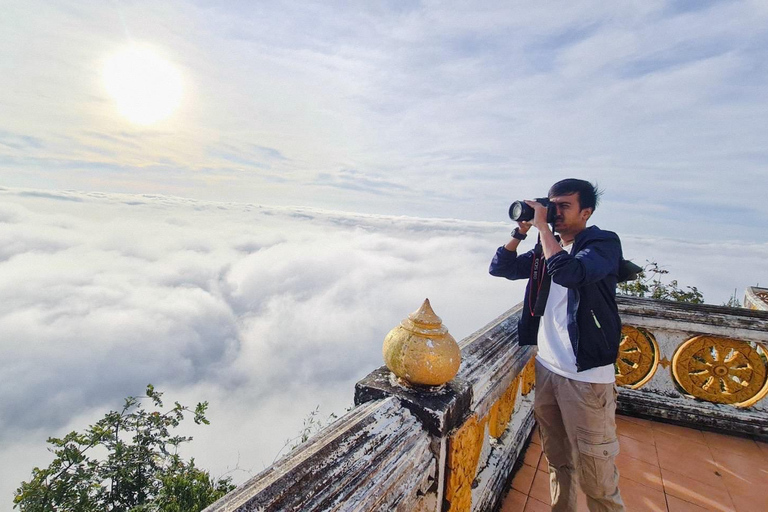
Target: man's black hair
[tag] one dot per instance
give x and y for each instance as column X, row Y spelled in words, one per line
column 589, row 195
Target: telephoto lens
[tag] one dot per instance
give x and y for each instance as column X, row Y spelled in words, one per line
column 520, row 212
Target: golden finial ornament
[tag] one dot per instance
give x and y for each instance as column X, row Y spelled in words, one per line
column 420, row 351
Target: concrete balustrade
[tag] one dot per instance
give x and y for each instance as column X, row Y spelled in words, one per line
column 756, row 298
column 412, row 448
column 376, row 457
column 453, row 446
column 698, row 365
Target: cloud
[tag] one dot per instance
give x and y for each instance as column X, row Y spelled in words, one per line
column 355, row 180
column 266, row 312
column 442, row 110
column 16, row 141
column 244, row 304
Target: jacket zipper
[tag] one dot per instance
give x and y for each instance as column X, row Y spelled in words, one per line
column 599, row 328
column 595, row 317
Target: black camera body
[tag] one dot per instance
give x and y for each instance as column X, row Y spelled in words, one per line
column 519, row 211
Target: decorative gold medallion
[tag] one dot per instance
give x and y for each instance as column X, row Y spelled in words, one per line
column 529, row 376
column 721, row 370
column 464, row 448
column 638, row 357
column 502, row 410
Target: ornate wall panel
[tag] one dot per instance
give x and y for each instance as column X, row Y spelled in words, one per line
column 502, row 410
column 638, row 357
column 529, row 376
column 721, row 370
column 464, row 449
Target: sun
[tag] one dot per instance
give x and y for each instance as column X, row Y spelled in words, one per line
column 146, row 87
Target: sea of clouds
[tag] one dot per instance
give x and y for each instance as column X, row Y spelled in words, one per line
column 266, row 312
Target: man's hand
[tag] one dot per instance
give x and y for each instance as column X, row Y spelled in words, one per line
column 540, row 215
column 549, row 243
column 523, row 228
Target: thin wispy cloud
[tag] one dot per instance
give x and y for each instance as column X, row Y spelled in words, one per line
column 465, row 107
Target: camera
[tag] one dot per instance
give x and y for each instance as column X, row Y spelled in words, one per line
column 519, row 211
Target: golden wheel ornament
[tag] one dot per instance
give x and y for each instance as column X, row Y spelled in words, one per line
column 721, row 370
column 638, row 357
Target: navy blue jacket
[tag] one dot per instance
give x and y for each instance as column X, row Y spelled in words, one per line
column 590, row 273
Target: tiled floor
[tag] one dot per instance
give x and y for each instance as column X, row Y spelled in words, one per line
column 664, row 468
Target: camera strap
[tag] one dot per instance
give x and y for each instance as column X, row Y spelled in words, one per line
column 540, row 281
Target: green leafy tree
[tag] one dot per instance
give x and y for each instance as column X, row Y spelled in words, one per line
column 126, row 462
column 649, row 284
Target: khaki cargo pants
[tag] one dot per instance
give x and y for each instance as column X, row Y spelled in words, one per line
column 578, row 432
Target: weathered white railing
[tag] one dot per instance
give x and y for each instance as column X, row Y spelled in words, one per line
column 413, row 449
column 694, row 364
column 454, row 447
column 756, row 298
column 336, row 468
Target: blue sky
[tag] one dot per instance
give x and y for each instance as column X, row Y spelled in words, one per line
column 433, row 109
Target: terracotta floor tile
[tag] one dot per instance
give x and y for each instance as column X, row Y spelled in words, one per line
column 751, row 469
column 638, row 497
column 523, row 478
column 687, row 458
column 696, row 492
column 639, row 450
column 683, row 432
column 678, row 505
column 540, row 487
column 705, row 471
column 747, row 484
column 666, row 441
column 763, row 449
column 514, row 501
column 738, row 445
column 643, row 433
column 543, row 464
column 639, row 471
column 532, row 455
column 698, row 470
column 633, row 419
column 534, row 505
column 757, row 501
column 738, row 485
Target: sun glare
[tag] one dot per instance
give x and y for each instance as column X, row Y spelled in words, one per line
column 146, row 87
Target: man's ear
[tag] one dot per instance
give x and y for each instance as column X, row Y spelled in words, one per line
column 586, row 213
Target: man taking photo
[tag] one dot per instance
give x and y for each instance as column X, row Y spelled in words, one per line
column 570, row 312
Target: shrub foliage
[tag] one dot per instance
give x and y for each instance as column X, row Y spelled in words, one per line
column 126, row 462
column 649, row 284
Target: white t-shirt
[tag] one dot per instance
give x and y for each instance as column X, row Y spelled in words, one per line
column 555, row 349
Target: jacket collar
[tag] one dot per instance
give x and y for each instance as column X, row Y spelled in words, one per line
column 588, row 233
